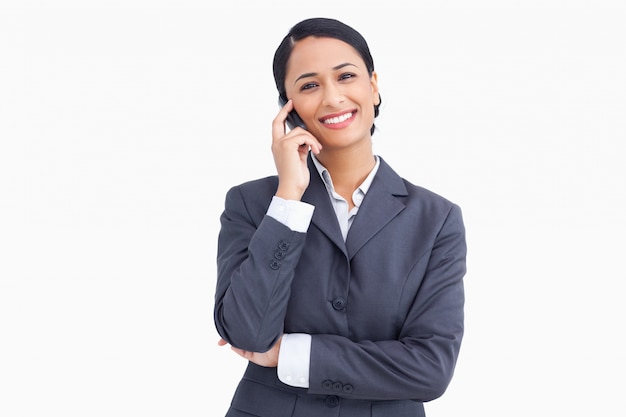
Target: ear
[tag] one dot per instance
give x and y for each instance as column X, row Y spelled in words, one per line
column 374, row 84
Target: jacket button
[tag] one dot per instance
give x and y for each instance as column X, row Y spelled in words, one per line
column 283, row 246
column 332, row 401
column 339, row 303
column 337, row 386
column 274, row 265
column 327, row 385
column 279, row 254
column 348, row 389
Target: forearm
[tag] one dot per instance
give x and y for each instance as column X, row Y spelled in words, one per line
column 255, row 269
column 411, row 368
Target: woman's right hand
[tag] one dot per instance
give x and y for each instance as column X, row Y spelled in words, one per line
column 290, row 152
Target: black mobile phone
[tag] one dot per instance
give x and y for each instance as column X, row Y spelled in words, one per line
column 293, row 119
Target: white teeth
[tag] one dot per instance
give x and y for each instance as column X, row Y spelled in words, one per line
column 339, row 119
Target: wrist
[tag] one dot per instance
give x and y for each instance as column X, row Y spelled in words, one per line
column 289, row 193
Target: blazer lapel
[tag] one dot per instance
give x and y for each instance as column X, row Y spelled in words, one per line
column 380, row 206
column 324, row 216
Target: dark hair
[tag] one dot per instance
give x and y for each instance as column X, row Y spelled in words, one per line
column 322, row 28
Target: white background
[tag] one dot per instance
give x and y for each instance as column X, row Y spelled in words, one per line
column 123, row 123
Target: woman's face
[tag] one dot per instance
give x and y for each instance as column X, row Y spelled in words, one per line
column 332, row 91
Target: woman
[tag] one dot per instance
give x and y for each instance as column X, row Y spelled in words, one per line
column 340, row 282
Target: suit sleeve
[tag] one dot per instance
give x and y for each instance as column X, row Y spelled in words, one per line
column 255, row 263
column 418, row 365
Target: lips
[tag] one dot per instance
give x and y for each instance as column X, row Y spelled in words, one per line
column 336, row 119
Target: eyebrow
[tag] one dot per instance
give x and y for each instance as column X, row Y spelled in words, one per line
column 313, row 74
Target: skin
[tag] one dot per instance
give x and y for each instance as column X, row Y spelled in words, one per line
column 326, row 78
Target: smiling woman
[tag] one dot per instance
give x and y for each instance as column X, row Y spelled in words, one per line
column 338, row 280
column 331, row 88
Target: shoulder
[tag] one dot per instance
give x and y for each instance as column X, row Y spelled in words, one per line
column 435, row 210
column 415, row 194
column 424, row 196
column 254, row 196
column 259, row 186
column 426, row 209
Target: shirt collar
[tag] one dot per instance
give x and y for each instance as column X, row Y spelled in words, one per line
column 363, row 188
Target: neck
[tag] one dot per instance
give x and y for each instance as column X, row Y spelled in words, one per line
column 348, row 168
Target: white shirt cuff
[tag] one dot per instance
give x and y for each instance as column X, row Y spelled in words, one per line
column 294, row 358
column 296, row 215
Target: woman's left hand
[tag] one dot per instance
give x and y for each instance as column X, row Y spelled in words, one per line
column 267, row 359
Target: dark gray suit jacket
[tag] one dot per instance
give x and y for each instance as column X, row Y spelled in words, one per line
column 385, row 308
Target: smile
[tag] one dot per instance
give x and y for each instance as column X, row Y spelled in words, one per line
column 338, row 119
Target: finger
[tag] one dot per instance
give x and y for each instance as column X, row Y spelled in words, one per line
column 222, row 342
column 298, row 139
column 313, row 144
column 306, row 141
column 278, row 124
column 243, row 353
column 238, row 351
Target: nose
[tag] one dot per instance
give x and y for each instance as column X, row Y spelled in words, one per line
column 333, row 95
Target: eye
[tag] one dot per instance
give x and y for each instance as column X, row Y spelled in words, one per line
column 307, row 86
column 346, row 76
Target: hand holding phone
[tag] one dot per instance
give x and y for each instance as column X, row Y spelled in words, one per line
column 290, row 150
column 293, row 119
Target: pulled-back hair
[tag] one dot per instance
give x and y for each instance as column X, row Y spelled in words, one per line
column 321, row 28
